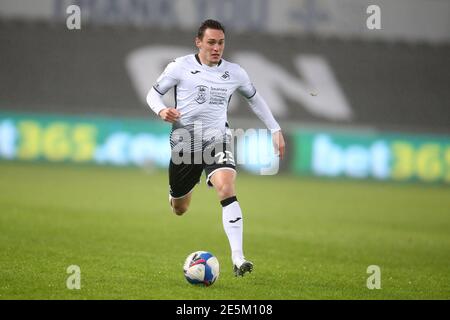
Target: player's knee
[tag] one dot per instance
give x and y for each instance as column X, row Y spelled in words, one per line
column 226, row 190
column 180, row 209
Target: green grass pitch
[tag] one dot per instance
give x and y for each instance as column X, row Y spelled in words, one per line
column 308, row 239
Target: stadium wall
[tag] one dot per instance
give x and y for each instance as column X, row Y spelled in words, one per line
column 405, row 20
column 107, row 71
column 379, row 110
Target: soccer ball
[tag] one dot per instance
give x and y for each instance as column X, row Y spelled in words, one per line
column 201, row 267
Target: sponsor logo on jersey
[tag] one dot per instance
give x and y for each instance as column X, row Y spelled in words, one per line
column 201, row 94
column 195, row 72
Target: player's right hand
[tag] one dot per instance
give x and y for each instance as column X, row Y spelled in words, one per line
column 169, row 114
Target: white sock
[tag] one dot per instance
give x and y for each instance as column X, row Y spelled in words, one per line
column 233, row 226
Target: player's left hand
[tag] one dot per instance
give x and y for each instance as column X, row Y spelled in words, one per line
column 278, row 143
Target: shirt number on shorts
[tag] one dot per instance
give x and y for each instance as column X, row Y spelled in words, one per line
column 225, row 157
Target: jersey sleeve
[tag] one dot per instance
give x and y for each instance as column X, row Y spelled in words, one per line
column 169, row 78
column 246, row 88
column 257, row 103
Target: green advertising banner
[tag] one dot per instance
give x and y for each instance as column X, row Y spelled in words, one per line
column 108, row 141
column 100, row 140
column 397, row 157
column 135, row 142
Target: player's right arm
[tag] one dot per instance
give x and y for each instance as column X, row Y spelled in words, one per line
column 168, row 79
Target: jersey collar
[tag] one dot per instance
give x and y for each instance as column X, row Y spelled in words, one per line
column 198, row 60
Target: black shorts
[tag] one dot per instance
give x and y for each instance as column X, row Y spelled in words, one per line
column 184, row 176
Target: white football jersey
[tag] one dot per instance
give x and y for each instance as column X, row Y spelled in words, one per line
column 202, row 93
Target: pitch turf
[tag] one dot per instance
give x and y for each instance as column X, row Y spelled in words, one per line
column 308, row 239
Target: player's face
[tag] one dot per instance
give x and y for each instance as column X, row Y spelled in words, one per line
column 211, row 46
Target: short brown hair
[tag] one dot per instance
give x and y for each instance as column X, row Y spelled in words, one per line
column 211, row 24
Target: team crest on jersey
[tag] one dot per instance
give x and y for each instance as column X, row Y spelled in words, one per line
column 226, row 75
column 201, row 94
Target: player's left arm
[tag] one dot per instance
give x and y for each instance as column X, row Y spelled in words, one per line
column 262, row 110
